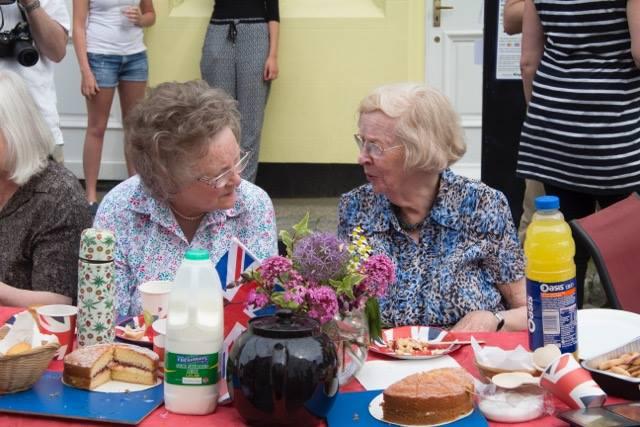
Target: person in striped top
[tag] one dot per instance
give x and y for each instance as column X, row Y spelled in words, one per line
column 581, row 135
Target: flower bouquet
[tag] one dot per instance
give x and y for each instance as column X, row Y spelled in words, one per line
column 330, row 280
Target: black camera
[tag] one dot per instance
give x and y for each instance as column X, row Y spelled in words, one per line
column 18, row 44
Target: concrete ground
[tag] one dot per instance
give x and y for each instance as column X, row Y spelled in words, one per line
column 323, row 213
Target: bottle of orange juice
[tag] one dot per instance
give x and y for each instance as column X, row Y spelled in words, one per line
column 551, row 278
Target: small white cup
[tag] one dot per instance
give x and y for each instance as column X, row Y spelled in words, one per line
column 155, row 299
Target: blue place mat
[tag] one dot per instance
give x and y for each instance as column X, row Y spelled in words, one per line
column 50, row 397
column 348, row 404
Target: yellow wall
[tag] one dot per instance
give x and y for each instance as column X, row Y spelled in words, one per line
column 332, row 52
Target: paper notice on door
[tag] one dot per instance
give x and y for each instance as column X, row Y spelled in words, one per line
column 507, row 51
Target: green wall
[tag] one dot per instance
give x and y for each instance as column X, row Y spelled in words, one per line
column 332, row 52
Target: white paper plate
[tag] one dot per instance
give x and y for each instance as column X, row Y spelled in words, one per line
column 602, row 329
column 376, row 412
column 120, row 387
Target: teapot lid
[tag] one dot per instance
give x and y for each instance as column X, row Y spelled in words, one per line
column 284, row 325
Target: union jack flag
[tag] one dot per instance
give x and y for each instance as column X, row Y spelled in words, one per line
column 236, row 316
column 233, row 263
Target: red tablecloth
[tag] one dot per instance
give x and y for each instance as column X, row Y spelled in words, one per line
column 227, row 416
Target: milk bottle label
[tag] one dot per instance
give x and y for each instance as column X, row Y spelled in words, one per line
column 191, row 369
column 551, row 314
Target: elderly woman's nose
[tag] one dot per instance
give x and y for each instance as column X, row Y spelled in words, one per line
column 236, row 178
column 363, row 157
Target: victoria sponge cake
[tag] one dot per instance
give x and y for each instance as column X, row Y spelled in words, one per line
column 431, row 397
column 92, row 366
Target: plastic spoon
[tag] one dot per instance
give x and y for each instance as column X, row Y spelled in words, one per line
column 511, row 380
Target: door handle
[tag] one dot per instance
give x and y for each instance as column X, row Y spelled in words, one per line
column 437, row 7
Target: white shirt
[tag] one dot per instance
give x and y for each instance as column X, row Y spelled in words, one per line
column 109, row 32
column 39, row 77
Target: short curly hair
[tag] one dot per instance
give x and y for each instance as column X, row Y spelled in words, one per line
column 426, row 124
column 171, row 129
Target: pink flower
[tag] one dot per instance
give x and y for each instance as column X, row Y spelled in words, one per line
column 273, row 267
column 296, row 294
column 257, row 299
column 323, row 304
column 379, row 271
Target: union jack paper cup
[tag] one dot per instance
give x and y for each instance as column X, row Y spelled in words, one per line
column 155, row 299
column 58, row 320
column 572, row 384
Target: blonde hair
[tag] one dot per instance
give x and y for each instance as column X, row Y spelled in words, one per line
column 170, row 130
column 29, row 141
column 426, row 124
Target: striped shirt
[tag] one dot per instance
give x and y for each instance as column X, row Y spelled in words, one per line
column 582, row 129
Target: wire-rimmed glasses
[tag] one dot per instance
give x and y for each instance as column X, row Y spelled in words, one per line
column 223, row 179
column 371, row 148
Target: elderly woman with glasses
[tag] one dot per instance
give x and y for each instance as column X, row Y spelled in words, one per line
column 183, row 141
column 458, row 260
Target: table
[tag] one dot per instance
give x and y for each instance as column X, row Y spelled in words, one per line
column 227, row 416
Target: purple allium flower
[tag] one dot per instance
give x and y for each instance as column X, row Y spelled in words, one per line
column 257, row 299
column 323, row 304
column 321, row 256
column 273, row 267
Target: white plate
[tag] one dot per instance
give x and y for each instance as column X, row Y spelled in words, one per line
column 603, row 329
column 376, row 412
column 120, row 386
column 431, row 334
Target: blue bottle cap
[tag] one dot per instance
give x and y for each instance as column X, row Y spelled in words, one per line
column 547, row 202
column 197, row 255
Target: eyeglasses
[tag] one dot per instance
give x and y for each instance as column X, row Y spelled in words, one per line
column 371, row 148
column 223, row 179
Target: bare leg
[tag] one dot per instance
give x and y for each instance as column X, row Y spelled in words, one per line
column 130, row 94
column 98, row 108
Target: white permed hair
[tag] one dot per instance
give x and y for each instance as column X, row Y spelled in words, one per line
column 29, row 141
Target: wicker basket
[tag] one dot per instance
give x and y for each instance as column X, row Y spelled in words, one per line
column 19, row 372
column 488, row 372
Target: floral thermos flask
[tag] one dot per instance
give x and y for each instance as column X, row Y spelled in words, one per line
column 96, row 288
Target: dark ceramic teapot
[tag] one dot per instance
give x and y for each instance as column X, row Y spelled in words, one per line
column 283, row 370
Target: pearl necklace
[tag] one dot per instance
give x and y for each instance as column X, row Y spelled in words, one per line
column 185, row 217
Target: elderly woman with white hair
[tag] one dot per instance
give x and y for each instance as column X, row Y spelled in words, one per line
column 458, row 259
column 42, row 206
column 183, row 141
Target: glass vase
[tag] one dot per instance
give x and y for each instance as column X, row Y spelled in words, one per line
column 350, row 335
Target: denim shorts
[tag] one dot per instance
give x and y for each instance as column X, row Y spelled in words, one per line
column 111, row 69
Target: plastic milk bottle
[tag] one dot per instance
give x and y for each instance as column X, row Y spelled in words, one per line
column 551, row 278
column 193, row 346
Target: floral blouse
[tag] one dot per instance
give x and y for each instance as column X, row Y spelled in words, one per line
column 468, row 244
column 150, row 244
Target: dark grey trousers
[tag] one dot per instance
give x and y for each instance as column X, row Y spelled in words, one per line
column 237, row 67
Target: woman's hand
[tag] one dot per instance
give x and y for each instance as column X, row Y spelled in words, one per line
column 89, row 86
column 134, row 15
column 477, row 321
column 271, row 68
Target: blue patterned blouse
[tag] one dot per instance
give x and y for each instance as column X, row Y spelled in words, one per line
column 468, row 244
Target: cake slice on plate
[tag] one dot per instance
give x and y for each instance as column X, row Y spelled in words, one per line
column 92, row 366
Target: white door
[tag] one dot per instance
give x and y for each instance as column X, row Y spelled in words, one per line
column 453, row 64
